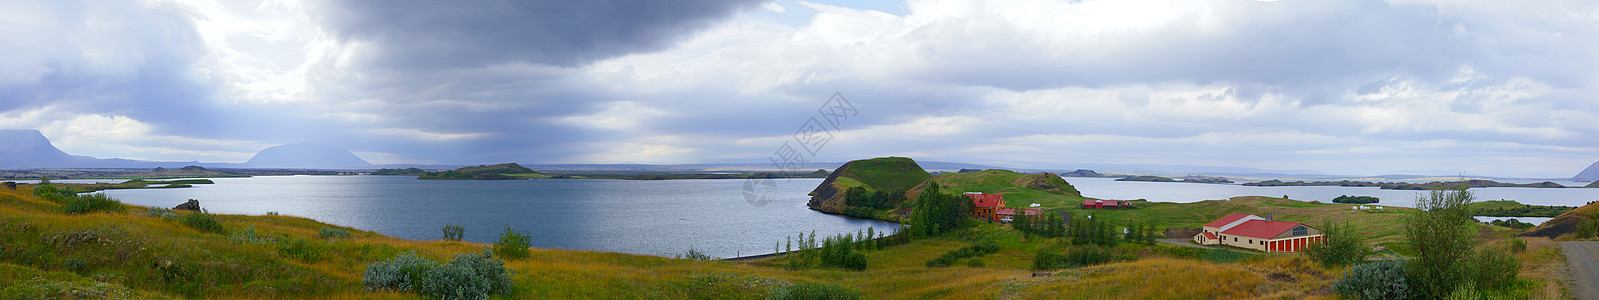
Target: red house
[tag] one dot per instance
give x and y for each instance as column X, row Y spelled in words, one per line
column 1106, row 204
column 988, row 206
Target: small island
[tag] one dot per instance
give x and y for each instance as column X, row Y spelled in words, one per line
column 1189, row 179
column 505, row 171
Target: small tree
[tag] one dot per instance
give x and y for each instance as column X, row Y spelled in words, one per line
column 513, row 245
column 1340, row 245
column 454, row 232
column 1440, row 232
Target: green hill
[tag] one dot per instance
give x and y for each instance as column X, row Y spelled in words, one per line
column 506, row 171
column 889, row 174
column 405, row 171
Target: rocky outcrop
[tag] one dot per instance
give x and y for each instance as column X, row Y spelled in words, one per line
column 882, row 174
column 829, row 197
column 1048, row 182
column 9, row 185
column 1564, row 224
column 192, row 205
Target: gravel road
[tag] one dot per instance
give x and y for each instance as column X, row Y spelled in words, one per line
column 1583, row 256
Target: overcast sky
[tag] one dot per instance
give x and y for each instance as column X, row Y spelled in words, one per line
column 1503, row 88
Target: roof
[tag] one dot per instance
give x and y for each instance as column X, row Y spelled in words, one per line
column 1104, row 202
column 1005, row 211
column 1210, row 236
column 1261, row 229
column 1229, row 219
column 987, row 200
column 1033, row 211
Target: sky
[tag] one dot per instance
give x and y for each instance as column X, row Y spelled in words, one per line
column 1503, row 88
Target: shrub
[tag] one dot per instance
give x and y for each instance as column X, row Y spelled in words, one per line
column 468, row 276
column 1587, row 229
column 164, row 214
column 248, row 235
column 301, row 249
column 91, row 203
column 809, row 290
column 1490, row 268
column 454, row 232
column 695, row 255
column 1340, row 246
column 1518, row 245
column 975, row 263
column 404, row 272
column 985, row 247
column 1441, row 236
column 513, row 245
column 1375, row 280
column 202, row 222
column 330, row 232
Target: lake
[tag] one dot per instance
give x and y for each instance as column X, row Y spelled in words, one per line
column 658, row 217
column 1109, row 188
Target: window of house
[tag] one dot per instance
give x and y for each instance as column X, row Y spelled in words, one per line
column 1301, row 231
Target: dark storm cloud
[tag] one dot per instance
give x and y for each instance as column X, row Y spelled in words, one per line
column 423, row 34
column 117, row 57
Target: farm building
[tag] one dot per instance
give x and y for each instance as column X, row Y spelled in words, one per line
column 1257, row 233
column 987, row 206
column 1106, row 204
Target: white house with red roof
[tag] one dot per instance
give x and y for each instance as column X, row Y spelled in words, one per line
column 1257, row 233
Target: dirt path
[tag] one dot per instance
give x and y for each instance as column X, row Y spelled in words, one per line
column 1583, row 256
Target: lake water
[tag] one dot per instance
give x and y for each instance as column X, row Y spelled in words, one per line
column 1109, row 188
column 655, row 217
column 641, row 217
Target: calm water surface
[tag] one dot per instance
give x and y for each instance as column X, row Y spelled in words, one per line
column 665, row 217
column 655, row 217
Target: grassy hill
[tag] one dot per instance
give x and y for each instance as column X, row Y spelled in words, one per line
column 895, row 174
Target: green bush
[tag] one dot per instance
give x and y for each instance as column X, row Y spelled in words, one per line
column 809, row 290
column 330, row 233
column 695, row 255
column 301, row 249
column 468, row 276
column 1518, row 245
column 513, row 245
column 202, row 222
column 975, row 263
column 454, row 232
column 404, row 272
column 164, row 214
column 982, row 248
column 1490, row 268
column 248, row 235
column 1341, row 246
column 82, row 204
column 1375, row 280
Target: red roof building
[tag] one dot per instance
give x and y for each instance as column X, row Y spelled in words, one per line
column 1106, row 204
column 987, row 206
column 1255, row 232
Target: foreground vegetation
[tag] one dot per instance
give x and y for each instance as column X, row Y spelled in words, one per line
column 111, row 250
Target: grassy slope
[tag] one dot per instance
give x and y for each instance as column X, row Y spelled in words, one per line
column 886, row 173
column 1004, row 182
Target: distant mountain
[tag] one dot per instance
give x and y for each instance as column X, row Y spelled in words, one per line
column 305, row 155
column 28, row 148
column 1589, row 174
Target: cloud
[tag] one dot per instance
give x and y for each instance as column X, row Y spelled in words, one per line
column 1356, row 87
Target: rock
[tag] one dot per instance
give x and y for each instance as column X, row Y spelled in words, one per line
column 10, row 185
column 192, row 205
